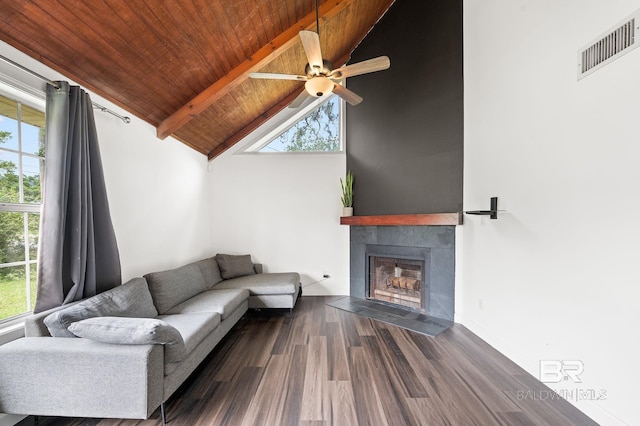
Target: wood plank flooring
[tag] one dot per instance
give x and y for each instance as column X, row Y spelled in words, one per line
column 330, row 367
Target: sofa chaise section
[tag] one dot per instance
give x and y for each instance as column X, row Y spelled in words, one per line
column 273, row 290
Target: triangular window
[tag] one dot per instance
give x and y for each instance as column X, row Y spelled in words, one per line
column 314, row 128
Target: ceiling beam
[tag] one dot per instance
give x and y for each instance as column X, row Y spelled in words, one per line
column 239, row 74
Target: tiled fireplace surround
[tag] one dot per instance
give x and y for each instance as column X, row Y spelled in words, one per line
column 440, row 242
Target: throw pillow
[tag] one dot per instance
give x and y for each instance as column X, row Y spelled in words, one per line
column 232, row 266
column 131, row 299
column 133, row 331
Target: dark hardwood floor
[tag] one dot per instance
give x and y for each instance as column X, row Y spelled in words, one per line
column 330, row 367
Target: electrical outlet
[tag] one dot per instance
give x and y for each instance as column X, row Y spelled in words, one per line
column 480, row 303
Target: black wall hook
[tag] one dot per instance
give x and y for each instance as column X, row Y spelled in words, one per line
column 493, row 213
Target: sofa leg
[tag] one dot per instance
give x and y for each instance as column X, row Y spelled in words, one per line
column 163, row 414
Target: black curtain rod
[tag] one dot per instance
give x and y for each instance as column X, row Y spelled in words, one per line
column 57, row 86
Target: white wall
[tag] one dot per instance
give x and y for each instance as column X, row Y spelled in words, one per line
column 158, row 195
column 555, row 277
column 284, row 210
column 158, row 190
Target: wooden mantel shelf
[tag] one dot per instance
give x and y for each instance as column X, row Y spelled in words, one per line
column 403, row 219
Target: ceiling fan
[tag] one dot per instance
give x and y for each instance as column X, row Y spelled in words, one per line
column 319, row 76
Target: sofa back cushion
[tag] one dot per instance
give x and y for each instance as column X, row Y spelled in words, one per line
column 210, row 271
column 169, row 288
column 131, row 299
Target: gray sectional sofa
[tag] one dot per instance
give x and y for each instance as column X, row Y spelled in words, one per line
column 124, row 352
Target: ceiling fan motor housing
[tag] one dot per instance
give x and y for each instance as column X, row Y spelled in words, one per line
column 327, row 67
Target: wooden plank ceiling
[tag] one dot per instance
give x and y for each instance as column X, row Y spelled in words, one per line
column 183, row 65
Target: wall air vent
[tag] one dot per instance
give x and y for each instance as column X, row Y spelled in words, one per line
column 614, row 43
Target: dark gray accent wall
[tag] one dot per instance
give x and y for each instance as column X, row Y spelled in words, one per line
column 405, row 140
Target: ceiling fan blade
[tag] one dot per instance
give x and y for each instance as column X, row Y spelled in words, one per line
column 276, row 76
column 311, row 44
column 376, row 64
column 347, row 95
column 299, row 100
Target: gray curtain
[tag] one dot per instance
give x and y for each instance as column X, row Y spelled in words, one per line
column 78, row 255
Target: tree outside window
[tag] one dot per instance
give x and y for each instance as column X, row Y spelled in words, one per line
column 318, row 131
column 21, row 171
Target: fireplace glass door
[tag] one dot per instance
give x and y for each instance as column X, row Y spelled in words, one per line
column 396, row 280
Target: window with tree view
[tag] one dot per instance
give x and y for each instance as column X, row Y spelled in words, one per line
column 21, row 173
column 317, row 131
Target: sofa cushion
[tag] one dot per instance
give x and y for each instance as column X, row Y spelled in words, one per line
column 131, row 299
column 223, row 302
column 133, row 331
column 232, row 266
column 210, row 271
column 193, row 327
column 169, row 288
column 259, row 284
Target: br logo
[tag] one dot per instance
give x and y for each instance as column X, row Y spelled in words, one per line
column 556, row 371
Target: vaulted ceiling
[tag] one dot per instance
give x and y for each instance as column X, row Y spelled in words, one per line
column 183, row 65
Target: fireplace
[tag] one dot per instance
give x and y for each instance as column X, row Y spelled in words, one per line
column 397, row 275
column 425, row 256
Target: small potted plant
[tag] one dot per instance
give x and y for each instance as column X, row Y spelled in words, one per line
column 347, row 194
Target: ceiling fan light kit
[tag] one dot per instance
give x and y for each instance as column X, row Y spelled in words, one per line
column 320, row 77
column 319, row 86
